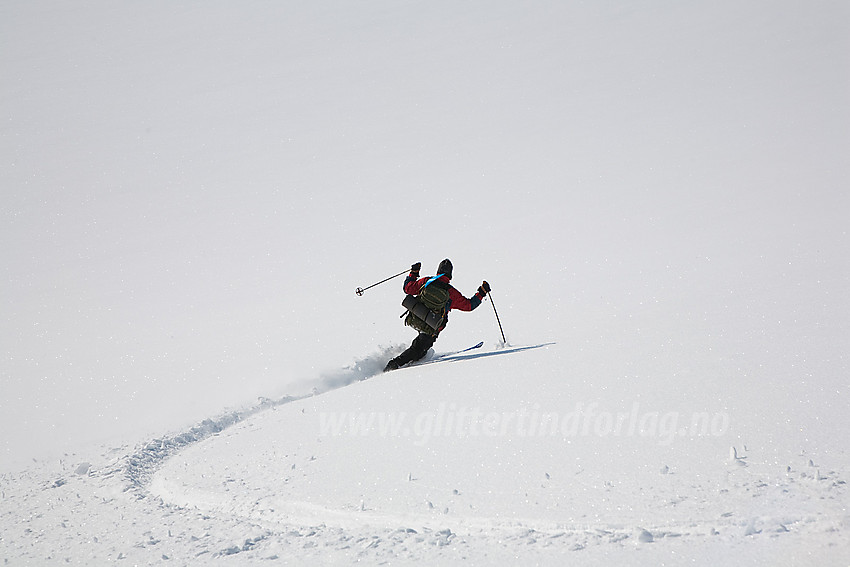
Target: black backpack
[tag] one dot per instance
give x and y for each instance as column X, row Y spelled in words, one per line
column 429, row 309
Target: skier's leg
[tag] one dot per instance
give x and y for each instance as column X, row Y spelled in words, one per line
column 417, row 350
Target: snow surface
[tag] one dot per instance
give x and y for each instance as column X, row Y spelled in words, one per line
column 657, row 194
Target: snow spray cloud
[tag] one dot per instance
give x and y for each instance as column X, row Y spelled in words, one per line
column 359, row 370
column 449, row 420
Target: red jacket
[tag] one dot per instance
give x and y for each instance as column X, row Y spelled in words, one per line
column 456, row 299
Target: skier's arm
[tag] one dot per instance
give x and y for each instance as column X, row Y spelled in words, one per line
column 413, row 283
column 461, row 303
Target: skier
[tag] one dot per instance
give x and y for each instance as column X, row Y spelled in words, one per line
column 438, row 295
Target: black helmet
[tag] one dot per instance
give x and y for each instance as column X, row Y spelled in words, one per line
column 445, row 268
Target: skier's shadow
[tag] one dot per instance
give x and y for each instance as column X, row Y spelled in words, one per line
column 509, row 350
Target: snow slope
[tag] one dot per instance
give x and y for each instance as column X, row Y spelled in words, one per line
column 482, row 459
column 420, row 465
column 656, row 193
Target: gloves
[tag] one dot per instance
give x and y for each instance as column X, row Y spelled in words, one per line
column 484, row 289
column 414, row 269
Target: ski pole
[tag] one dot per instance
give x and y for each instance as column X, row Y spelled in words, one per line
column 504, row 341
column 360, row 290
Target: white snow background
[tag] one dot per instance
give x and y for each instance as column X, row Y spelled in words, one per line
column 657, row 193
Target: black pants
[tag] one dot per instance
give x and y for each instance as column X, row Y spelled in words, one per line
column 418, row 349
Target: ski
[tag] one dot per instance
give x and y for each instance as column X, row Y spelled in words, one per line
column 447, row 355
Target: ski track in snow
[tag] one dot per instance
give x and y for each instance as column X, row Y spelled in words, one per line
column 69, row 514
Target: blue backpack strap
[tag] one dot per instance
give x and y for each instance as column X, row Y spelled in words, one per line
column 438, row 276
